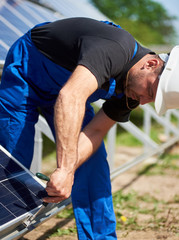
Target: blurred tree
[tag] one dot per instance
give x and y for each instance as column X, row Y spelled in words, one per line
column 146, row 20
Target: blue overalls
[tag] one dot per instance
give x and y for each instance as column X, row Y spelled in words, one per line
column 31, row 81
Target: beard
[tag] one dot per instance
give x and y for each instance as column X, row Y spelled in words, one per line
column 133, row 79
column 130, row 102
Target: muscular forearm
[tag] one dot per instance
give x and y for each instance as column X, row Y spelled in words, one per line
column 69, row 112
column 86, row 147
column 92, row 135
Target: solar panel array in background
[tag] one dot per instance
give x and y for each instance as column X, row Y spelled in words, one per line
column 20, row 193
column 71, row 8
column 16, row 18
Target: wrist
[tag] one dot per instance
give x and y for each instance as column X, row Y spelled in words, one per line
column 65, row 169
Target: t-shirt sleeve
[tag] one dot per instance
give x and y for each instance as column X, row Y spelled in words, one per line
column 117, row 110
column 103, row 57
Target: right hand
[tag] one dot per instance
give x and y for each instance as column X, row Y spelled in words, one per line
column 60, row 185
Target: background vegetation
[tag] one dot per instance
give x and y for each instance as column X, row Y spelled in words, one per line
column 148, row 21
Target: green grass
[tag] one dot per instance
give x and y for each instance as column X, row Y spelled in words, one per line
column 49, row 147
column 61, row 232
column 67, row 214
column 167, row 163
column 130, row 206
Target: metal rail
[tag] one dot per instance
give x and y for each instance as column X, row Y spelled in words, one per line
column 159, row 150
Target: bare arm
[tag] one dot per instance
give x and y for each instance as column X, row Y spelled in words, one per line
column 69, row 113
column 92, row 136
column 68, row 117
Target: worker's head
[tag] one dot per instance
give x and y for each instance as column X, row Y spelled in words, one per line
column 167, row 96
column 142, row 79
column 155, row 78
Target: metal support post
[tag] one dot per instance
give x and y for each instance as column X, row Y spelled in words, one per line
column 37, row 158
column 111, row 139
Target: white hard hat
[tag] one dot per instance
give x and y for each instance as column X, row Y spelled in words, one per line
column 167, row 96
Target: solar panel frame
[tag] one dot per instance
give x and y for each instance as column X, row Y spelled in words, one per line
column 28, row 183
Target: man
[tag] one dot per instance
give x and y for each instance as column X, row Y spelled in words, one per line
column 62, row 67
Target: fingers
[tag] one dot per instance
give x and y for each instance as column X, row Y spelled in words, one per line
column 59, row 187
column 63, row 193
column 56, row 196
column 53, row 199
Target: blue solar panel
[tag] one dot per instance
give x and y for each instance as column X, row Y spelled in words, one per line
column 43, row 13
column 16, row 18
column 20, row 192
column 3, row 52
column 71, row 8
column 8, row 37
column 13, row 19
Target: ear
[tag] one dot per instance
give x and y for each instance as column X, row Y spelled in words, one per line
column 151, row 64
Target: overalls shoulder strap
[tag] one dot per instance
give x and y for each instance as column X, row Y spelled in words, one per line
column 112, row 82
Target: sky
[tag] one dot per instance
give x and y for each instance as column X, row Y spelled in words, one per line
column 172, row 7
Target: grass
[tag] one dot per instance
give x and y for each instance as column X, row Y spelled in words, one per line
column 61, row 232
column 67, row 214
column 167, row 163
column 133, row 206
column 128, row 208
column 49, row 148
column 140, row 212
column 129, row 204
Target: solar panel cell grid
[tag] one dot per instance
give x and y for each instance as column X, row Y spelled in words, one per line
column 43, row 13
column 3, row 52
column 20, row 193
column 13, row 19
column 16, row 18
column 8, row 36
column 5, row 215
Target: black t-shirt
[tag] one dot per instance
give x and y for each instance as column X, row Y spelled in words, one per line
column 104, row 49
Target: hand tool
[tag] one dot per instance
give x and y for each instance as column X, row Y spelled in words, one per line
column 42, row 176
column 28, row 221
